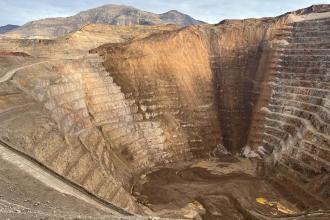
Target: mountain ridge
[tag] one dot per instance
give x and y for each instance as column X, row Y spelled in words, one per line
column 8, row 27
column 106, row 14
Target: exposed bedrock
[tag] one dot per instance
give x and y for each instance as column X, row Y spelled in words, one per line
column 259, row 84
column 173, row 95
column 64, row 113
column 169, row 80
column 296, row 118
column 204, row 80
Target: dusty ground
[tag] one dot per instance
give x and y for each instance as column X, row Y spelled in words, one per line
column 226, row 188
column 24, row 197
column 10, row 61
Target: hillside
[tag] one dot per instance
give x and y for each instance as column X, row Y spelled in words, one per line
column 108, row 14
column 8, row 27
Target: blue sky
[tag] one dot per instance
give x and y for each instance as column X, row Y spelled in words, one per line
column 212, row 11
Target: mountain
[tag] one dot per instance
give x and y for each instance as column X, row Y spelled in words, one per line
column 8, row 27
column 107, row 14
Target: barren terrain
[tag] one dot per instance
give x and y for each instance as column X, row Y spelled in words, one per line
column 225, row 121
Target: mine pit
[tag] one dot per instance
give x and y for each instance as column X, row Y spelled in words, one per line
column 207, row 121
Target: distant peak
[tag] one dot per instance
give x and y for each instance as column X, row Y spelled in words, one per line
column 173, row 12
column 10, row 25
column 7, row 28
column 114, row 6
column 109, row 7
column 106, row 14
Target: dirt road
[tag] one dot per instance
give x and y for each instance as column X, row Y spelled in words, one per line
column 12, row 72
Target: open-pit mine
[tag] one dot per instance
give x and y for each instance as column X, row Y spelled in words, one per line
column 166, row 117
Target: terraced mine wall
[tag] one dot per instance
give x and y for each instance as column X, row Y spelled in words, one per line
column 205, row 80
column 176, row 96
column 237, row 54
column 60, row 113
column 182, row 103
column 256, row 83
column 296, row 119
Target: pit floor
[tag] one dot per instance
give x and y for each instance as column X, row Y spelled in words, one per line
column 225, row 188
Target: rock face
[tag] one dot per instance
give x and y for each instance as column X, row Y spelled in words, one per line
column 170, row 76
column 186, row 78
column 108, row 14
column 165, row 95
column 54, row 119
column 259, row 83
column 8, row 27
column 296, row 118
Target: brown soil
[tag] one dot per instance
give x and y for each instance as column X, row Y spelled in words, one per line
column 226, row 189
